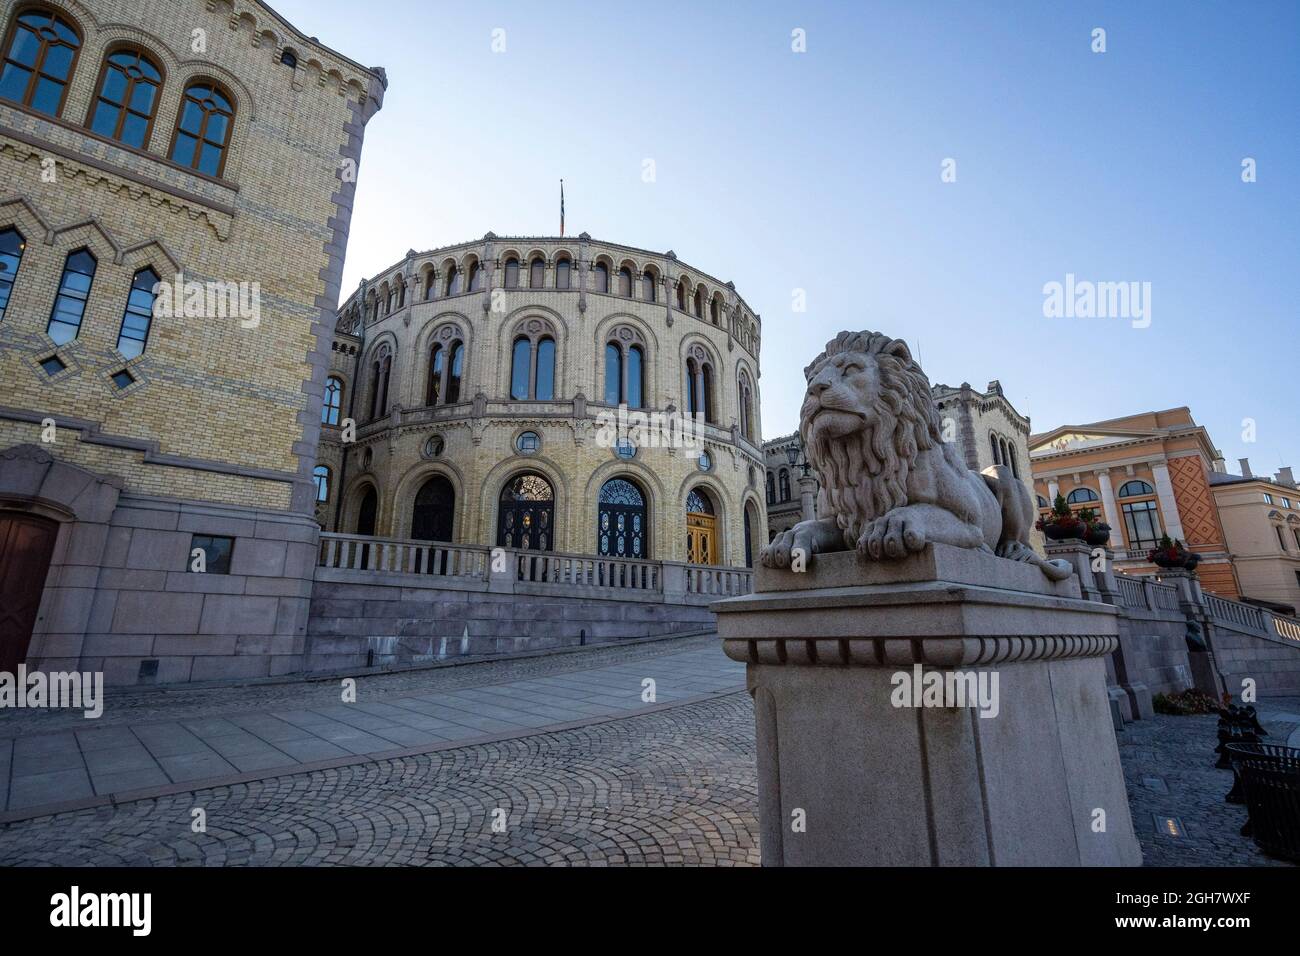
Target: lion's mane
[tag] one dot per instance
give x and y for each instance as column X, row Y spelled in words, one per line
column 865, row 475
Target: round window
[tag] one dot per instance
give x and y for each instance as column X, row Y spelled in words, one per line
column 706, row 461
column 528, row 442
column 625, row 449
column 434, row 447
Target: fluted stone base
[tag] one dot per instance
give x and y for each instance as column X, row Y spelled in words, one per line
column 846, row 777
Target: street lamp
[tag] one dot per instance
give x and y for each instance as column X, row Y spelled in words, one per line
column 792, row 452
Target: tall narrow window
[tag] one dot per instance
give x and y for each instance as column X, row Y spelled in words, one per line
column 648, row 287
column 203, row 129
column 430, row 285
column 546, row 370
column 38, row 61
column 699, row 303
column 521, row 369
column 475, row 277
column 613, row 374
column 512, row 273
column 453, row 372
column 713, row 310
column 602, row 277
column 562, row 274
column 380, row 372
column 691, row 376
column 706, row 399
column 128, row 95
column 12, row 245
column 625, row 282
column 74, row 290
column 681, row 295
column 785, row 485
column 536, row 272
column 332, row 406
column 771, row 489
column 453, row 281
column 635, row 395
column 134, row 335
column 436, row 360
column 320, row 476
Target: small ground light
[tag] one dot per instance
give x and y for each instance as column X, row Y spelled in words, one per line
column 1169, row 826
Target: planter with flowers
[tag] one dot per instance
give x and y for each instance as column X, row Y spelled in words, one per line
column 1172, row 554
column 1098, row 532
column 1061, row 523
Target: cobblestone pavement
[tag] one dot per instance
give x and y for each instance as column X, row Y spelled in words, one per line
column 130, row 705
column 1169, row 771
column 71, row 769
column 672, row 787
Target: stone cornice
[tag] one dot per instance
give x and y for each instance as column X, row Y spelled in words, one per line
column 982, row 651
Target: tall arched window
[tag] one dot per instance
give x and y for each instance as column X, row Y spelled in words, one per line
column 681, row 295
column 699, row 302
column 12, row 245
column 625, row 282
column 692, row 383
column 512, row 273
column 706, row 397
column 430, row 284
column 475, row 277
column 446, row 367
column 454, row 372
column 320, row 476
column 203, row 128
column 785, row 485
column 70, row 303
column 40, row 52
column 635, row 377
column 613, row 374
column 134, row 334
column 128, row 95
column 331, row 408
column 771, row 489
column 602, row 277
column 562, row 269
column 713, row 310
column 648, row 287
column 745, row 395
column 437, row 365
column 381, row 369
column 997, row 450
column 401, row 293
column 521, row 368
column 536, row 272
column 453, row 281
column 526, row 514
column 546, row 370
column 621, row 520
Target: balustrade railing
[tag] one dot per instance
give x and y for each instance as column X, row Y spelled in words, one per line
column 1131, row 592
column 723, row 582
column 364, row 553
column 588, row 571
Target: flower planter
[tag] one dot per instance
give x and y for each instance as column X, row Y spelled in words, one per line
column 1063, row 532
column 1097, row 535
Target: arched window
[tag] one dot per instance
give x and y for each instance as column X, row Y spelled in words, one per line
column 749, row 537
column 434, row 512
column 203, row 129
column 625, row 282
column 127, row 98
column 745, row 395
column 401, row 294
column 526, row 514
column 701, row 528
column 452, row 286
column 613, row 374
column 512, row 273
column 454, row 372
column 289, row 58
column 648, row 287
column 332, row 407
column 635, row 377
column 437, row 365
column 381, row 370
column 475, row 277
column 1081, row 496
column 1042, row 502
column 562, row 268
column 785, row 485
column 536, row 272
column 692, row 380
column 12, row 245
column 621, row 520
column 602, row 277
column 699, row 302
column 771, row 489
column 997, row 450
column 40, row 53
column 320, row 476
column 546, row 370
column 430, row 284
column 706, row 398
column 1135, row 488
column 713, row 310
column 74, row 290
column 367, row 512
column 681, row 295
column 134, row 334
column 521, row 368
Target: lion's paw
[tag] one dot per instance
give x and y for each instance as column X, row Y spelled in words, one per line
column 891, row 536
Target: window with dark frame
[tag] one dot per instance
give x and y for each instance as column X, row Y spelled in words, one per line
column 127, row 98
column 40, row 53
column 12, row 245
column 203, row 129
column 138, row 317
column 216, row 549
column 74, row 291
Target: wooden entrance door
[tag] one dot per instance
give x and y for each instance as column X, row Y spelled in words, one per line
column 701, row 539
column 26, row 544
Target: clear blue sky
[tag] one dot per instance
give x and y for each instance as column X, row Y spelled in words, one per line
column 821, row 171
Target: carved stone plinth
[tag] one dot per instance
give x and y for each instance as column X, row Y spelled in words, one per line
column 849, row 777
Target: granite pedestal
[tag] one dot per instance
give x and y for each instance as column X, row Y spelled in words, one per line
column 847, row 776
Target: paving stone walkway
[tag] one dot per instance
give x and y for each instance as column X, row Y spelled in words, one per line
column 165, row 742
column 672, row 786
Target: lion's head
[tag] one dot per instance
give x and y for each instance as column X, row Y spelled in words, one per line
column 866, row 416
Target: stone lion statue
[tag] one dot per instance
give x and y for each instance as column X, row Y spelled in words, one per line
column 890, row 484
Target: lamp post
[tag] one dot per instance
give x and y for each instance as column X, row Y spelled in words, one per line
column 807, row 483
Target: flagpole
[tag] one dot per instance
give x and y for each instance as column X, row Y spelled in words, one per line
column 561, row 208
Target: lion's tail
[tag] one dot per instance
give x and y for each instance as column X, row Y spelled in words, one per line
column 1056, row 569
